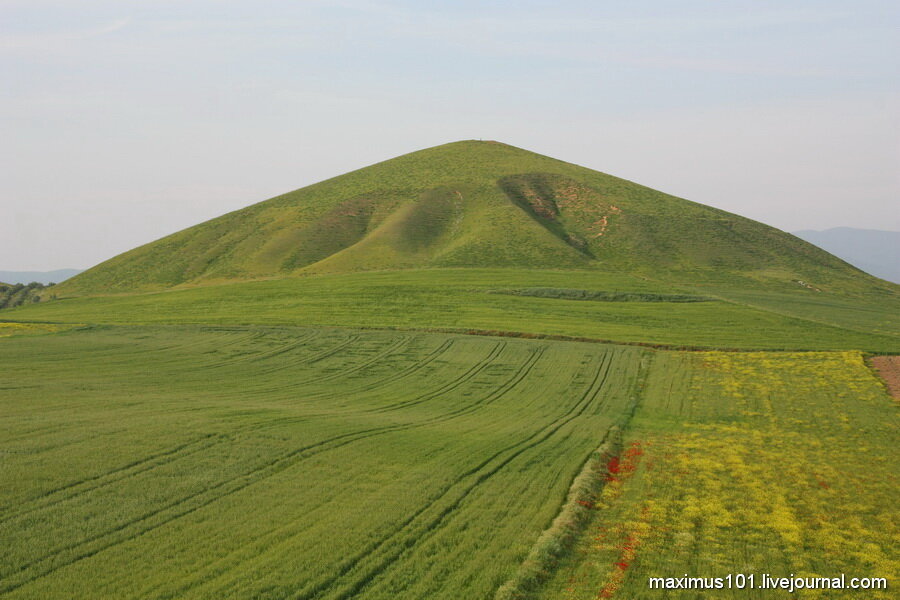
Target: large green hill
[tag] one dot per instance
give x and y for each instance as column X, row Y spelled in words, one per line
column 484, row 236
column 471, row 204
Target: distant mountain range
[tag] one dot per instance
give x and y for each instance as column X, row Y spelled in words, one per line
column 44, row 277
column 874, row 251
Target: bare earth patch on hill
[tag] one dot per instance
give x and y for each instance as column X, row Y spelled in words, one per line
column 888, row 368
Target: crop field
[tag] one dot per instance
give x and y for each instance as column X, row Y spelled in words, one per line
column 462, row 299
column 207, row 461
column 239, row 462
column 752, row 463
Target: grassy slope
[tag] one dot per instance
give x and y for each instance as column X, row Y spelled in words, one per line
column 226, row 462
column 458, row 299
column 474, row 204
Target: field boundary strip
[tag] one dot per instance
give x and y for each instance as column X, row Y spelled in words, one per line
column 555, row 541
column 568, row 523
column 557, row 337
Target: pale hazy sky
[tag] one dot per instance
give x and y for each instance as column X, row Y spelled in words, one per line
column 121, row 122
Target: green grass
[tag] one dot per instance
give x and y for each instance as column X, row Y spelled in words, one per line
column 270, row 462
column 870, row 313
column 459, row 299
column 199, row 461
column 475, row 205
column 229, row 462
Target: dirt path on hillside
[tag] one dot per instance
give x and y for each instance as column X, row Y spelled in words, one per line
column 888, row 367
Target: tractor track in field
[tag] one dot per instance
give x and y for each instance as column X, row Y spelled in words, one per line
column 589, row 394
column 417, row 366
column 377, row 384
column 331, row 351
column 391, row 349
column 284, row 349
column 163, row 350
column 103, row 479
column 450, row 386
column 50, row 562
column 430, row 527
column 247, row 337
column 266, row 354
column 158, row 459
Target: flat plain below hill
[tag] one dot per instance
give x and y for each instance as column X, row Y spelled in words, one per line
column 266, row 462
column 513, row 300
column 291, row 463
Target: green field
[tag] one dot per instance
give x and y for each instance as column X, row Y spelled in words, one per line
column 272, row 462
column 462, row 299
column 751, row 463
column 207, row 462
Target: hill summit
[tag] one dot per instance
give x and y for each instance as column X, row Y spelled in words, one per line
column 467, row 204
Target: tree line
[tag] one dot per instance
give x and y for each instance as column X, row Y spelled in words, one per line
column 17, row 294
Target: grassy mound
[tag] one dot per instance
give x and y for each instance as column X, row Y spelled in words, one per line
column 472, row 204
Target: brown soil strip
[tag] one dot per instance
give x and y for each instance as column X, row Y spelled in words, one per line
column 572, row 338
column 888, row 367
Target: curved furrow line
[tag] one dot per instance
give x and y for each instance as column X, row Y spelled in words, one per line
column 520, row 374
column 101, row 480
column 365, row 386
column 531, row 442
column 209, row 338
column 309, row 360
column 267, row 353
column 197, row 342
column 448, row 387
column 48, row 563
column 417, row 366
column 589, row 393
column 137, row 467
column 155, row 519
column 402, row 341
column 48, row 498
column 158, row 517
column 124, row 355
column 143, row 465
column 38, row 431
column 424, row 530
column 248, row 339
